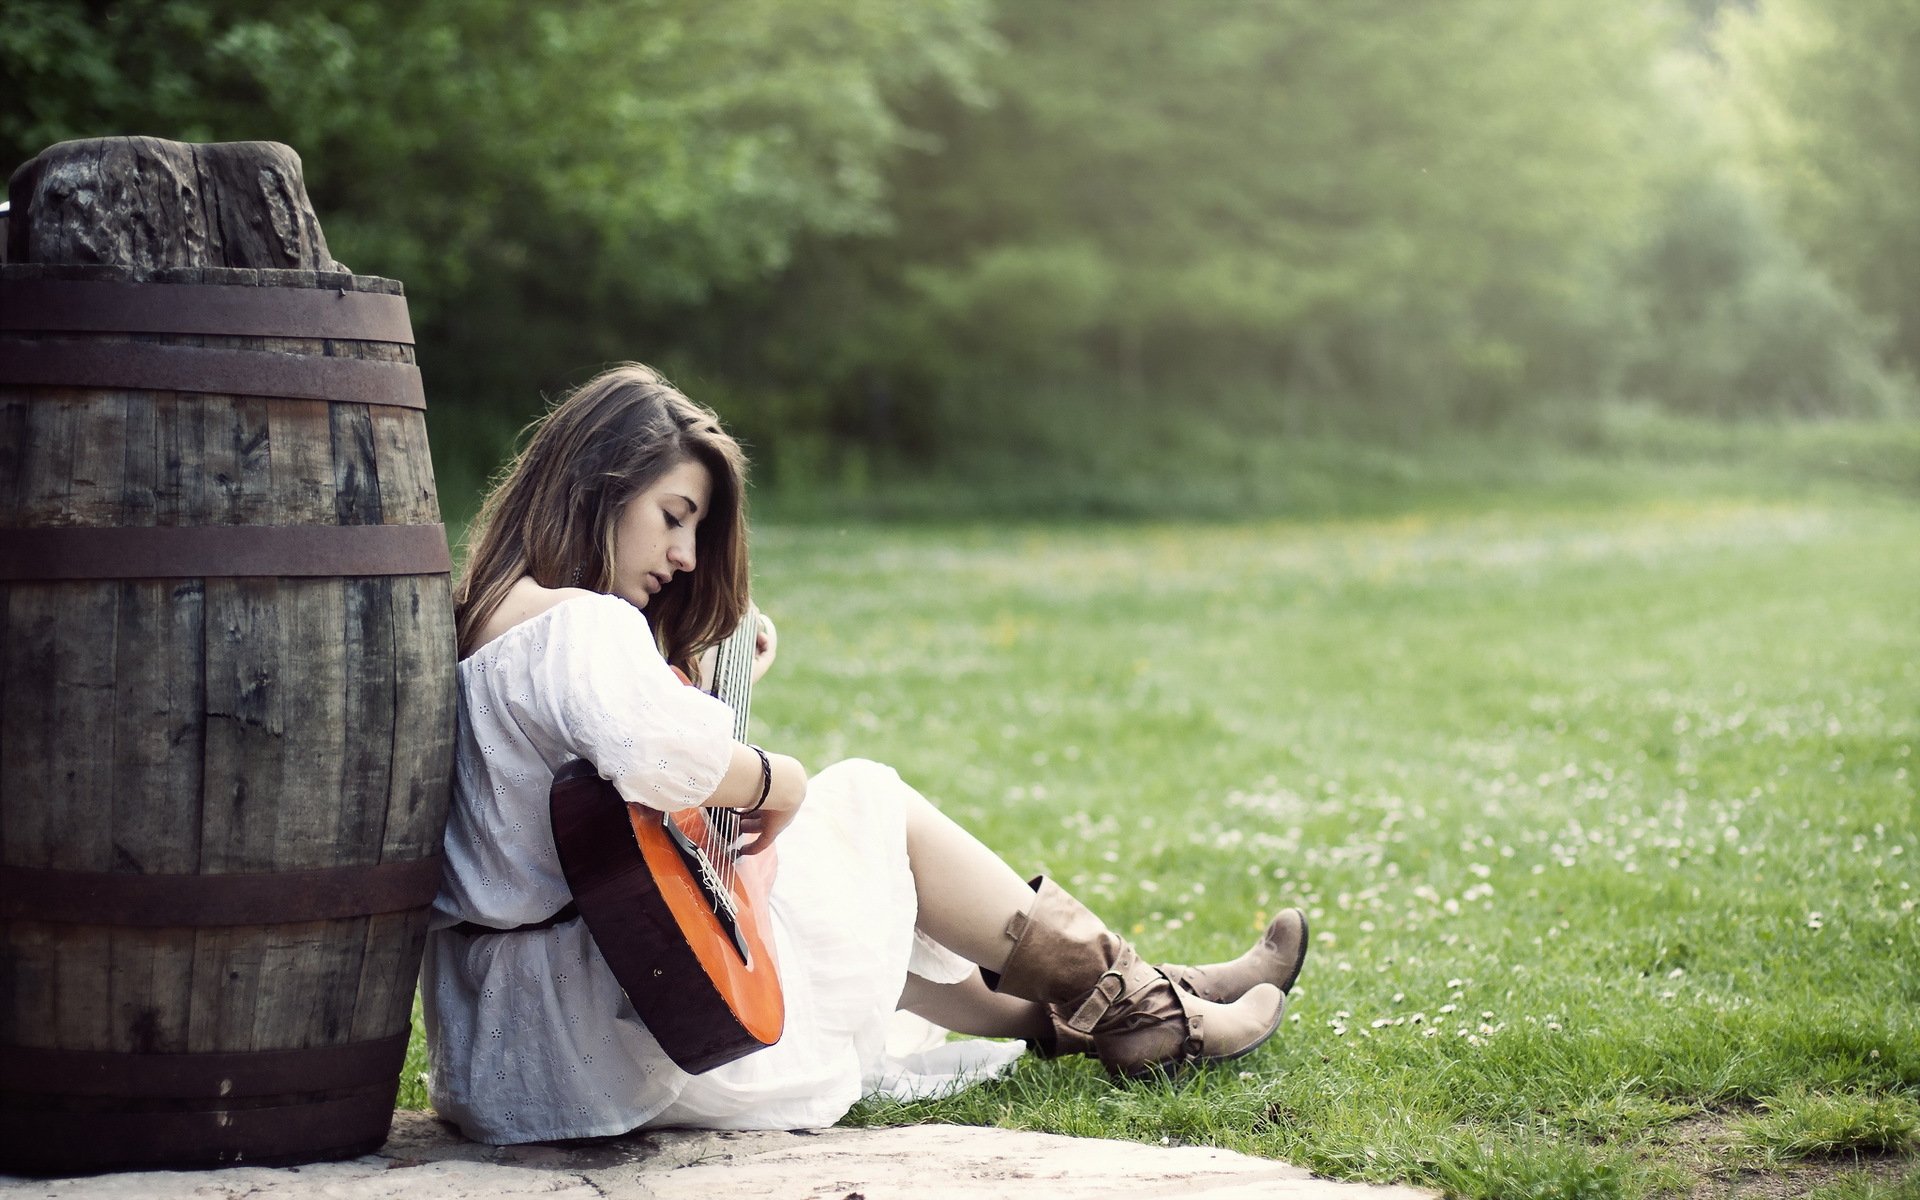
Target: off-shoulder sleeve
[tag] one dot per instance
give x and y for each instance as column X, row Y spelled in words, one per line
column 599, row 689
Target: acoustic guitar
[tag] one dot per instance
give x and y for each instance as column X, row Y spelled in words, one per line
column 664, row 901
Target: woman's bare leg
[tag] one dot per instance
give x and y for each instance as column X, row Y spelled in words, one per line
column 974, row 904
column 967, row 894
column 972, row 1008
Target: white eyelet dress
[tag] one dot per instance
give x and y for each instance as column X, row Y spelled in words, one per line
column 530, row 1037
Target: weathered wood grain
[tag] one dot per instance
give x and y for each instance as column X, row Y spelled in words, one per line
column 151, row 974
column 79, row 776
column 356, row 476
column 301, row 450
column 14, row 416
column 368, row 714
column 245, row 723
column 159, row 734
column 403, row 467
column 28, row 828
column 384, row 1001
column 424, row 660
column 159, row 743
column 95, row 492
column 147, row 203
column 226, row 989
column 218, row 725
column 54, row 417
column 248, row 491
column 313, row 725
column 28, row 1002
column 308, row 976
column 82, row 1008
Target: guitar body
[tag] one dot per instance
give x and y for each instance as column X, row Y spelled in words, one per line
column 703, row 979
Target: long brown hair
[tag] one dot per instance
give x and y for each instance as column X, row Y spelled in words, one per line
column 553, row 511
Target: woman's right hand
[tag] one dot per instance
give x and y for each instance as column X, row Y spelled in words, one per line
column 785, row 794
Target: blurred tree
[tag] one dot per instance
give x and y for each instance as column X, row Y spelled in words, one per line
column 1735, row 322
column 1721, row 312
column 546, row 179
column 1831, row 93
column 686, row 142
column 1374, row 206
column 859, row 225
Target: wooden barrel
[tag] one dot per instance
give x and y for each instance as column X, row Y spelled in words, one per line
column 226, row 713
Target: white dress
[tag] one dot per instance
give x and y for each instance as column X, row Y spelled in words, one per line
column 530, row 1037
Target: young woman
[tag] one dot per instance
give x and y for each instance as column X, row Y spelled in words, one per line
column 613, row 551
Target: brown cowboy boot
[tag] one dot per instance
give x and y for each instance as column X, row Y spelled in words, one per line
column 1276, row 959
column 1103, row 999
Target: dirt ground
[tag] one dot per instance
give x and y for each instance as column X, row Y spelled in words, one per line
column 426, row 1160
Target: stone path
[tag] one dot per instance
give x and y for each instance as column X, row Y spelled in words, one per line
column 425, row 1160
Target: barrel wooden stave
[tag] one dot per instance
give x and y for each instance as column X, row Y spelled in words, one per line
column 309, row 719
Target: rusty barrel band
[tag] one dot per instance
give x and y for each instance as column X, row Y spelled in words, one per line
column 202, row 901
column 50, row 1141
column 153, row 366
column 222, row 551
column 216, row 1075
column 76, row 306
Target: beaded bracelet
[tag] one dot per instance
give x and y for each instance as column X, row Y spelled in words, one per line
column 766, row 781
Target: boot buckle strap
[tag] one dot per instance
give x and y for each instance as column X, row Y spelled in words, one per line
column 1098, row 1001
column 1195, row 1047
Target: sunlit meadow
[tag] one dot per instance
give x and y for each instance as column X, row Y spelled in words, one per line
column 1603, row 817
column 1604, row 821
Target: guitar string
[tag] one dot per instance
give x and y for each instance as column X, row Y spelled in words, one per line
column 732, row 684
column 720, row 828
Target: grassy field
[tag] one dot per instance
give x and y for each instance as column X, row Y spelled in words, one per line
column 1602, row 807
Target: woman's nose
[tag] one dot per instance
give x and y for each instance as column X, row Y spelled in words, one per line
column 680, row 554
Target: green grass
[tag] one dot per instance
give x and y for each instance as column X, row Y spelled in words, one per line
column 1863, row 1185
column 1602, row 807
column 1802, row 1124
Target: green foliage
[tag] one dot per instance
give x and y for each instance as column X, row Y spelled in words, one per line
column 1733, row 321
column 446, row 140
column 1329, row 199
column 546, row 181
column 1541, row 1169
column 413, row 1071
column 1864, row 1185
column 1831, row 95
column 1800, row 1124
column 959, row 242
column 1154, row 464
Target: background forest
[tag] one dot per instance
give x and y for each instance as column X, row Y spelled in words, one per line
column 1037, row 252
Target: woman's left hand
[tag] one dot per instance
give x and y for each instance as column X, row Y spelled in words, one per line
column 766, row 643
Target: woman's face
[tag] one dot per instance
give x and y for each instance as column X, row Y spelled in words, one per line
column 653, row 539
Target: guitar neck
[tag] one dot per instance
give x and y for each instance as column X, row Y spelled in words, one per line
column 732, row 681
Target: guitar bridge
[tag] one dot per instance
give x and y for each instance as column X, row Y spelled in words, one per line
column 719, row 898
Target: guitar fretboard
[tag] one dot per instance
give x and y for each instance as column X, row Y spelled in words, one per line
column 732, row 684
column 732, row 680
